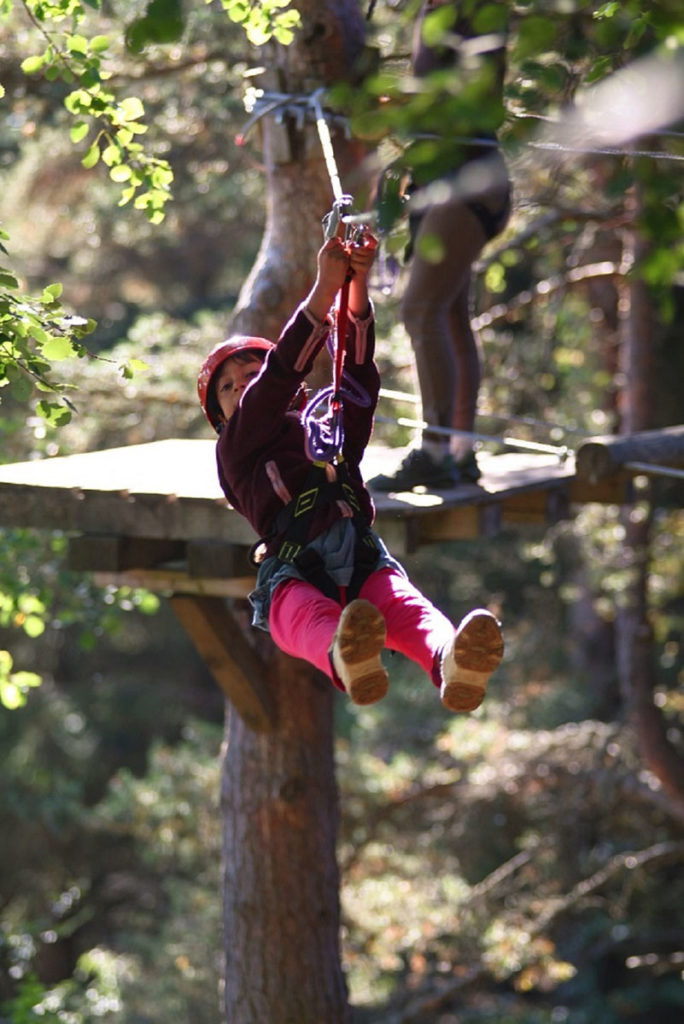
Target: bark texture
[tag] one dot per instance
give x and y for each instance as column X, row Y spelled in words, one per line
column 281, row 883
column 634, row 635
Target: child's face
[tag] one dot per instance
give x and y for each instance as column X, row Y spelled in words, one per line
column 231, row 380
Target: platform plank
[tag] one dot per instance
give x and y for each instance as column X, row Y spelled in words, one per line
column 168, row 490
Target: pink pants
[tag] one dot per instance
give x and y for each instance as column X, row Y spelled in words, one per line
column 303, row 621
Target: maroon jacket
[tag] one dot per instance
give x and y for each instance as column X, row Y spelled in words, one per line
column 261, row 451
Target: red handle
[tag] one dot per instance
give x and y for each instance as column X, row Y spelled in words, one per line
column 341, row 335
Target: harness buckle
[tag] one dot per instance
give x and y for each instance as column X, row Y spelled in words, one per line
column 306, row 501
column 289, row 551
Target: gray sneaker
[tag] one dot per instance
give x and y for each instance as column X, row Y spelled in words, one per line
column 418, row 469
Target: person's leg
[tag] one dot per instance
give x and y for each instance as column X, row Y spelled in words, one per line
column 468, row 354
column 415, row 627
column 302, row 622
column 458, row 660
column 435, row 309
column 345, row 644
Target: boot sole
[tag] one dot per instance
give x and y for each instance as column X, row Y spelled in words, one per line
column 360, row 638
column 475, row 653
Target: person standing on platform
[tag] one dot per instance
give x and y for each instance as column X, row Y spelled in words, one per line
column 460, row 199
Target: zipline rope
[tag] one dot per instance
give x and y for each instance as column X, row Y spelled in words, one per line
column 327, row 146
column 302, row 108
column 526, row 421
column 560, row 451
column 326, row 437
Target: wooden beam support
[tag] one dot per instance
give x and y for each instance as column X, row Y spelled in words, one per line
column 233, row 662
column 600, row 457
column 612, row 490
column 536, row 508
column 111, row 553
column 465, row 522
column 209, row 559
column 176, row 581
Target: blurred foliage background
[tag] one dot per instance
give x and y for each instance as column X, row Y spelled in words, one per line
column 521, row 865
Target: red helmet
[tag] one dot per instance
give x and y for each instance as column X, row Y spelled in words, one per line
column 218, row 355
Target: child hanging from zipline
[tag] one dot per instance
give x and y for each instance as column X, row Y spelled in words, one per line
column 328, row 590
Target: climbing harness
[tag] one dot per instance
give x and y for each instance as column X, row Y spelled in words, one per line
column 292, row 526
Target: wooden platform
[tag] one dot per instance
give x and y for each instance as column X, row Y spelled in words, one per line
column 153, row 515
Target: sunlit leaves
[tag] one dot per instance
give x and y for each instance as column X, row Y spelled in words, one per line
column 115, row 122
column 264, row 20
column 34, row 333
column 14, row 685
column 161, row 23
column 131, row 367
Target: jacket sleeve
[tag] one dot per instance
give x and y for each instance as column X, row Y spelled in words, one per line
column 359, row 365
column 265, row 402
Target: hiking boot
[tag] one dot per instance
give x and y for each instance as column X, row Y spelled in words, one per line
column 469, row 660
column 419, row 469
column 355, row 652
column 468, row 469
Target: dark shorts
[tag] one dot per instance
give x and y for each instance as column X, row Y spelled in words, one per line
column 492, row 211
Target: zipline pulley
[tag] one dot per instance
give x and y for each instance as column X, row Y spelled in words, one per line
column 326, row 435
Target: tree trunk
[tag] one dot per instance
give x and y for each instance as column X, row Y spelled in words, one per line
column 281, row 886
column 299, row 191
column 634, row 636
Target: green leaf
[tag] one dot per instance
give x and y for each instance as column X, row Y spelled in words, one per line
column 52, row 291
column 57, row 415
column 10, row 695
column 148, row 603
column 92, row 156
column 99, row 43
column 78, row 101
column 33, row 64
column 21, row 386
column 132, row 108
column 14, row 685
column 24, row 680
column 131, row 367
column 33, row 627
column 56, row 349
column 77, row 44
column 78, row 131
column 120, row 173
column 39, row 333
column 283, row 35
column 126, row 195
column 111, row 155
column 536, row 36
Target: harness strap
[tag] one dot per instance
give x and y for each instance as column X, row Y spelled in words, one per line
column 294, row 520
